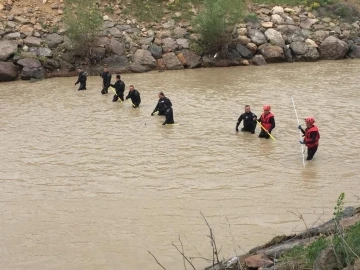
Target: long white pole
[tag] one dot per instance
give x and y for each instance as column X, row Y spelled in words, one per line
column 302, row 147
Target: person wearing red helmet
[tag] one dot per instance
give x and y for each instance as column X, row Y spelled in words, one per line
column 312, row 136
column 267, row 120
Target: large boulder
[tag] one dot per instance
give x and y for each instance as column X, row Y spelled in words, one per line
column 233, row 54
column 7, row 49
column 116, row 47
column 303, row 51
column 272, row 53
column 190, row 59
column 156, row 51
column 291, row 33
column 31, row 69
column 136, row 68
column 33, row 41
column 144, row 58
column 8, row 71
column 117, row 63
column 274, row 37
column 259, row 60
column 53, row 40
column 171, row 61
column 354, row 51
column 333, row 48
column 169, row 45
column 243, row 51
column 257, row 37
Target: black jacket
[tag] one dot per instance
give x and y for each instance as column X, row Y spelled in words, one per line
column 249, row 121
column 106, row 78
column 119, row 87
column 135, row 97
column 82, row 77
column 162, row 105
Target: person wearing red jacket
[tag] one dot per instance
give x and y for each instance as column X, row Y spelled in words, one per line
column 311, row 137
column 267, row 121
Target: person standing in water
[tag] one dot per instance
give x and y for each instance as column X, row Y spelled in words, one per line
column 119, row 89
column 81, row 79
column 312, row 136
column 249, row 121
column 106, row 76
column 134, row 95
column 267, row 120
column 162, row 104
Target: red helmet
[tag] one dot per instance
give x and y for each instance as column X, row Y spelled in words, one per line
column 266, row 108
column 310, row 120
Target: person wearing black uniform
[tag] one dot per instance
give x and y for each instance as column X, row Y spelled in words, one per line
column 169, row 116
column 249, row 119
column 162, row 104
column 119, row 89
column 81, row 79
column 106, row 76
column 134, row 95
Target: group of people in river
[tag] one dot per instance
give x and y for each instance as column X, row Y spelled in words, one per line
column 164, row 107
column 267, row 122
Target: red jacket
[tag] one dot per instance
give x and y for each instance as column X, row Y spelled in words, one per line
column 308, row 140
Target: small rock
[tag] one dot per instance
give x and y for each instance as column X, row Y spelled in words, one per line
column 183, row 43
column 245, row 63
column 333, row 48
column 25, row 48
column 106, row 18
column 311, row 43
column 7, row 49
column 15, row 35
column 277, row 10
column 33, row 41
column 259, row 60
column 355, row 25
column 242, row 31
column 179, row 32
column 60, row 12
column 276, row 18
column 289, row 10
column 8, row 71
column 267, row 24
column 27, row 30
column 244, row 40
column 252, row 47
column 54, row 6
column 326, row 19
column 21, row 20
column 1, row 6
column 169, row 24
column 257, row 261
column 172, row 62
column 10, row 17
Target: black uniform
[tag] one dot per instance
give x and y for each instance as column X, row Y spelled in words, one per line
column 119, row 89
column 249, row 122
column 106, row 82
column 169, row 116
column 82, row 80
column 135, row 97
column 161, row 106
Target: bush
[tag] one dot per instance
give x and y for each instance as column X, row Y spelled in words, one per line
column 83, row 20
column 216, row 22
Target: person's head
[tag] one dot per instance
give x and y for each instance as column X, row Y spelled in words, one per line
column 131, row 88
column 161, row 95
column 118, row 77
column 79, row 69
column 247, row 108
column 309, row 121
column 266, row 109
column 106, row 68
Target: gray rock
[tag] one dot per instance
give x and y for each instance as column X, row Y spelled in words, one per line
column 21, row 20
column 97, row 54
column 320, row 35
column 31, row 69
column 276, row 18
column 117, row 63
column 233, row 54
column 333, row 48
column 123, row 27
column 244, row 52
column 156, row 51
column 108, row 24
column 51, row 64
column 180, row 32
column 116, row 47
column 303, row 51
column 208, row 61
column 191, row 59
column 102, row 42
column 169, row 45
column 327, row 260
column 11, row 24
column 146, row 41
column 144, row 58
column 355, row 51
column 28, row 55
column 183, row 43
column 7, row 49
column 42, row 52
column 172, row 62
column 277, row 10
column 288, row 54
column 8, row 71
column 115, row 32
column 275, row 37
column 168, row 24
column 259, row 60
column 272, row 53
column 139, row 68
column 257, row 37
column 53, row 40
column 15, row 35
column 163, row 34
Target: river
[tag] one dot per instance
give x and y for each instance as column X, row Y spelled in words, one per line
column 91, row 184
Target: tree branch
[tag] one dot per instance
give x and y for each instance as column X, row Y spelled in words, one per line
column 157, row 260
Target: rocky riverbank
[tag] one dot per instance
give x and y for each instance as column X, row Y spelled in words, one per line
column 269, row 256
column 34, row 44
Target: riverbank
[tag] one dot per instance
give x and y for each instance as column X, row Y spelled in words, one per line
column 34, row 44
column 318, row 248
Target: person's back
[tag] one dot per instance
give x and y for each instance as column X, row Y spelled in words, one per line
column 106, row 76
column 119, row 89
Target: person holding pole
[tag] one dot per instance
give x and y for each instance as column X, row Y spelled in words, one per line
column 312, row 136
column 267, row 122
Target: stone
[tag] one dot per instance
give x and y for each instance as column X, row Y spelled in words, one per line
column 291, row 33
column 191, row 59
column 108, row 24
column 123, row 27
column 272, row 53
column 257, row 37
column 163, row 34
column 15, row 35
column 21, row 20
column 306, row 24
column 115, row 32
column 333, row 48
column 257, row 261
column 27, row 30
column 311, row 43
column 208, row 61
column 327, row 260
column 267, row 24
column 116, row 47
column 321, row 35
column 11, row 24
column 31, row 69
column 33, row 41
column 276, row 18
column 28, row 55
column 355, row 53
column 41, row 51
column 245, row 63
column 171, row 61
column 242, row 31
column 106, row 18
column 169, row 24
column 290, row 10
column 101, row 42
column 277, row 10
column 233, row 54
column 244, row 51
column 183, row 43
column 326, row 19
column 8, row 71
column 146, row 41
column 169, row 45
column 252, row 47
column 7, row 49
column 259, row 60
column 156, row 51
column 304, row 52
column 180, row 32
column 54, row 5
column 117, row 63
column 244, row 40
column 53, row 40
column 136, row 68
column 265, row 11
column 1, row 6
column 274, row 37
column 144, row 58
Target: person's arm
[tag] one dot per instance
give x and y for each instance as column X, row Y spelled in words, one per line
column 156, row 108
column 238, row 123
column 78, row 80
column 272, row 122
column 128, row 96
